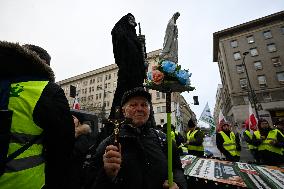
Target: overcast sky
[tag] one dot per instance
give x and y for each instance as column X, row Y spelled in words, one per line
column 77, row 33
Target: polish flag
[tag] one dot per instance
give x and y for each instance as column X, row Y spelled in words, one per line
column 76, row 104
column 252, row 119
column 221, row 120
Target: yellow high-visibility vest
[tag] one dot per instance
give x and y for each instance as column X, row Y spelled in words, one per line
column 190, row 137
column 230, row 143
column 265, row 145
column 27, row 170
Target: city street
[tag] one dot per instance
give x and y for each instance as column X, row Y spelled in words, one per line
column 210, row 145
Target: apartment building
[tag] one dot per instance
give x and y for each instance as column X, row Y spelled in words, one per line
column 95, row 90
column 261, row 41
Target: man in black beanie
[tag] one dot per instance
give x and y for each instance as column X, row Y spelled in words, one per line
column 139, row 160
column 195, row 139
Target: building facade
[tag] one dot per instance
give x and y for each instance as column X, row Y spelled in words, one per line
column 95, row 91
column 261, row 42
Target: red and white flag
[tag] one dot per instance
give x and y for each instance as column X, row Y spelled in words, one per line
column 252, row 119
column 76, row 104
column 221, row 120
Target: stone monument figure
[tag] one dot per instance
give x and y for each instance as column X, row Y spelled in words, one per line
column 170, row 46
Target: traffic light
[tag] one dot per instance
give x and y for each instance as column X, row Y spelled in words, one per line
column 72, row 91
column 195, row 99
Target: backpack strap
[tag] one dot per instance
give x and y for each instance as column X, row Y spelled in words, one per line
column 5, row 122
column 23, row 148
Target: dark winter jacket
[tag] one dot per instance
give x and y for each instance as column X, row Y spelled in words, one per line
column 144, row 161
column 51, row 112
column 82, row 144
column 219, row 143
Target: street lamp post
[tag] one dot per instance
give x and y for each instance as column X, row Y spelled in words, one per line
column 252, row 95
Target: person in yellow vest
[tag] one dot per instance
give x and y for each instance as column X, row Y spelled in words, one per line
column 39, row 116
column 265, row 139
column 248, row 138
column 228, row 143
column 194, row 139
column 280, row 137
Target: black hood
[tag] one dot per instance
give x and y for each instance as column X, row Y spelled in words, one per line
column 17, row 61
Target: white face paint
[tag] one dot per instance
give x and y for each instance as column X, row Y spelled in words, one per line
column 131, row 21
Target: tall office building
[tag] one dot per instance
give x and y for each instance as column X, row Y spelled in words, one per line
column 95, row 90
column 261, row 41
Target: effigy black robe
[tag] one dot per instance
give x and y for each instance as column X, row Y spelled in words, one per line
column 128, row 56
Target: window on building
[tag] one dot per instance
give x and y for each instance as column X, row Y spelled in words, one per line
column 271, row 47
column 282, row 29
column 109, row 76
column 100, row 95
column 257, row 65
column 240, row 69
column 276, row 61
column 234, row 43
column 158, row 109
column 267, row 34
column 105, row 85
column 253, row 52
column 243, row 83
column 237, row 56
column 157, row 95
column 162, row 121
column 250, row 39
column 163, row 95
column 163, row 110
column 91, row 81
column 90, row 89
column 261, row 80
column 246, row 99
column 280, row 77
column 93, row 89
column 266, row 96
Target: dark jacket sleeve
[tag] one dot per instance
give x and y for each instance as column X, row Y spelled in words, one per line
column 52, row 114
column 101, row 180
column 219, row 143
column 246, row 138
column 238, row 145
column 179, row 177
column 255, row 141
